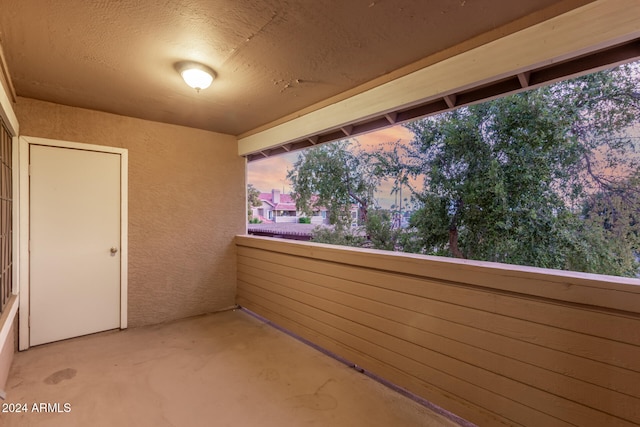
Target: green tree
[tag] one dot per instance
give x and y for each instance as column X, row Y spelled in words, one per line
column 253, row 199
column 504, row 180
column 335, row 176
column 615, row 216
column 380, row 231
column 343, row 236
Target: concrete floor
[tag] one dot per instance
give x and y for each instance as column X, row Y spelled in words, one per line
column 225, row 369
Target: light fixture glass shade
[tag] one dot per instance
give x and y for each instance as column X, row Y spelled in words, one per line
column 197, row 78
column 196, row 75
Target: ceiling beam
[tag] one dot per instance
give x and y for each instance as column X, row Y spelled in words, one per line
column 347, row 130
column 391, row 117
column 450, row 100
column 523, row 78
column 480, row 71
column 514, row 84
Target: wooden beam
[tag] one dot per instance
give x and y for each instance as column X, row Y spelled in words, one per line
column 450, row 100
column 517, row 82
column 264, row 154
column 347, row 130
column 287, row 148
column 524, row 79
column 611, row 22
column 392, row 117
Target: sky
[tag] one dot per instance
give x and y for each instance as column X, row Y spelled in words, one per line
column 271, row 173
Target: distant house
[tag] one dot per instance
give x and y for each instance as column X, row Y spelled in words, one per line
column 281, row 208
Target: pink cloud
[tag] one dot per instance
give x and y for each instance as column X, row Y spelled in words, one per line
column 269, row 173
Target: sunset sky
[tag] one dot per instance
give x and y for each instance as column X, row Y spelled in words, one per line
column 270, row 173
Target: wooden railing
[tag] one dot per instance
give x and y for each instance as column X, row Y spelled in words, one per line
column 492, row 343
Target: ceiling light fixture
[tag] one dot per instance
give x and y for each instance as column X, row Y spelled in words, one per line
column 196, row 75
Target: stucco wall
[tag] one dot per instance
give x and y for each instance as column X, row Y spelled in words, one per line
column 186, row 203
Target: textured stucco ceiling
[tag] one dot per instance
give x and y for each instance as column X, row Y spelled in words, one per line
column 272, row 58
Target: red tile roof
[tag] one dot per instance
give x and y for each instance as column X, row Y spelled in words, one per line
column 284, row 198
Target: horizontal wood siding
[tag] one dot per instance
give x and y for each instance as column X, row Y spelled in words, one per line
column 495, row 344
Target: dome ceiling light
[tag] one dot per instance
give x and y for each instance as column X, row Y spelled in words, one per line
column 196, row 75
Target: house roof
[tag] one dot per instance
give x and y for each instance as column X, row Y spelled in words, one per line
column 284, row 198
column 286, row 202
column 272, row 58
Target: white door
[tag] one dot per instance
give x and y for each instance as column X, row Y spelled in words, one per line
column 74, row 211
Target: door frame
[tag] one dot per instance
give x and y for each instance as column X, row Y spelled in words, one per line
column 24, row 198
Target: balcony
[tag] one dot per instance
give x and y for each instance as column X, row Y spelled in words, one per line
column 496, row 345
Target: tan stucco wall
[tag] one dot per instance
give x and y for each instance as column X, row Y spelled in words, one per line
column 6, row 353
column 186, row 203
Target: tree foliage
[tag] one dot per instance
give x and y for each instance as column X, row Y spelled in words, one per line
column 342, row 236
column 334, row 176
column 380, row 230
column 615, row 216
column 506, row 180
column 253, row 199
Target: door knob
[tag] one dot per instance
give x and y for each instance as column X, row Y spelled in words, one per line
column 114, row 250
